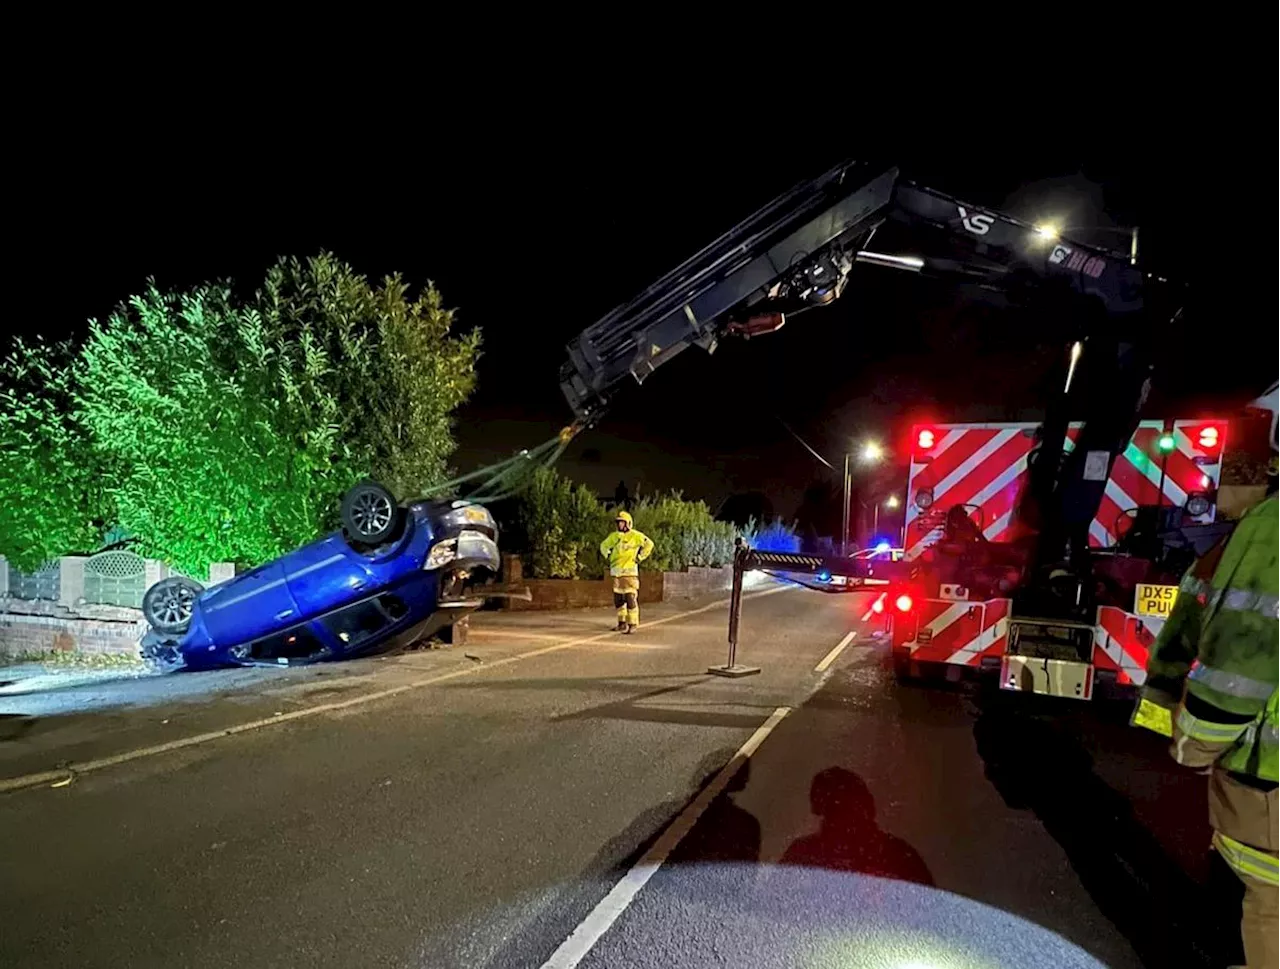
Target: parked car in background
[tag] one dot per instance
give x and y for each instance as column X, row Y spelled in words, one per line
column 884, row 552
column 391, row 576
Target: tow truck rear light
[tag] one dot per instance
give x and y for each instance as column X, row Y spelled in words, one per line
column 1209, row 438
column 925, row 440
column 903, row 603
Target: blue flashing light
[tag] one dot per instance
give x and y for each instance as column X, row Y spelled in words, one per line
column 883, row 546
column 824, row 576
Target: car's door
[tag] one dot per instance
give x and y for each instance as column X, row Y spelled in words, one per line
column 249, row 606
column 326, row 575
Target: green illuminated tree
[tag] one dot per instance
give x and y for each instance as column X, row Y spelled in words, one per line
column 52, row 499
column 235, row 425
column 394, row 369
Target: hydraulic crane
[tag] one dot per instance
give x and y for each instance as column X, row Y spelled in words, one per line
column 803, row 249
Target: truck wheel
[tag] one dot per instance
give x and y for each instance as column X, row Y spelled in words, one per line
column 370, row 515
column 167, row 605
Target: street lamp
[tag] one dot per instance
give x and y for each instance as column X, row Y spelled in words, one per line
column 890, row 502
column 870, row 453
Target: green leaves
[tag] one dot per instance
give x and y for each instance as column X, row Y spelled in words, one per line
column 51, row 495
column 564, row 526
column 220, row 429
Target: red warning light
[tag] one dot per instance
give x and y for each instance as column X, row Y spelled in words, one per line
column 903, row 603
column 1209, row 437
column 925, row 440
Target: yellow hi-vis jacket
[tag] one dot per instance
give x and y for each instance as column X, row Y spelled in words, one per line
column 1217, row 653
column 626, row 550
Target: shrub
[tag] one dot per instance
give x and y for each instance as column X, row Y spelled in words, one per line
column 684, row 533
column 777, row 536
column 564, row 526
column 213, row 426
column 53, row 497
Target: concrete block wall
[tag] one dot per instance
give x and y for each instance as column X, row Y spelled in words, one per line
column 598, row 593
column 582, row 593
column 34, row 627
column 697, row 581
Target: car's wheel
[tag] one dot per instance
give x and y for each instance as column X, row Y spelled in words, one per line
column 370, row 515
column 168, row 604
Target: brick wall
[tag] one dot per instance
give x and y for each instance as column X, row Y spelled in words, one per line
column 32, row 628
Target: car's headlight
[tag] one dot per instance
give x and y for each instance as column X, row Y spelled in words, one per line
column 442, row 554
column 464, row 513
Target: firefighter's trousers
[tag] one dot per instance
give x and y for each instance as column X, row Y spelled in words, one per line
column 626, row 597
column 1244, row 833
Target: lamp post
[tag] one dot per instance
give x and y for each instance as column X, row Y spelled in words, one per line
column 891, row 502
column 870, row 453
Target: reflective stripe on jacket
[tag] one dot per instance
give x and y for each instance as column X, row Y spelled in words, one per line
column 625, row 551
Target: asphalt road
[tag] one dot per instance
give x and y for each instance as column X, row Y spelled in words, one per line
column 504, row 804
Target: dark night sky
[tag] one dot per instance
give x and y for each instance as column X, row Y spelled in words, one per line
column 534, row 227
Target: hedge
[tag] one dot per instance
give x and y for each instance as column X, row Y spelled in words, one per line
column 564, row 524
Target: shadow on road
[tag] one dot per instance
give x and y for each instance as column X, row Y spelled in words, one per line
column 849, row 838
column 13, row 726
column 1168, row 917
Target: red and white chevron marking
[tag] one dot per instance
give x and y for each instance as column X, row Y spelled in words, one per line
column 1123, row 641
column 943, row 631
column 1136, row 477
column 984, row 467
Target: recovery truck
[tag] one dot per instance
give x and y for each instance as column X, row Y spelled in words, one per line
column 1050, row 550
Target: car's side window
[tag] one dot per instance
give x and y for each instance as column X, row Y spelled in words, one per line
column 356, row 623
column 392, row 605
column 297, row 642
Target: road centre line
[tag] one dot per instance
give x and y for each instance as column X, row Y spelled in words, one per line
column 62, row 774
column 835, row 651
column 574, row 949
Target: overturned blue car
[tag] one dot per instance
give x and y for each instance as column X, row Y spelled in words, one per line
column 393, row 575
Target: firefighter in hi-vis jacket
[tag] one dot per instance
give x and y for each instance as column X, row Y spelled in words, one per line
column 625, row 549
column 1211, row 685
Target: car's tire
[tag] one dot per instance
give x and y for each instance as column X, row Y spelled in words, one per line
column 370, row 515
column 167, row 605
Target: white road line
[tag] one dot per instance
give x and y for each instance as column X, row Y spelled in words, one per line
column 61, row 774
column 575, row 948
column 835, row 651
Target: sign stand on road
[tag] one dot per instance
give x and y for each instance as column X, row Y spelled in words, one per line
column 731, row 669
column 747, row 559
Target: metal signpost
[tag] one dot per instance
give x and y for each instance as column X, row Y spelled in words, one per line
column 854, row 576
